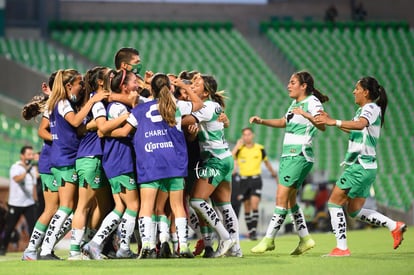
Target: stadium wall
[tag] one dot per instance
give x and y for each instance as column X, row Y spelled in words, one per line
column 20, row 83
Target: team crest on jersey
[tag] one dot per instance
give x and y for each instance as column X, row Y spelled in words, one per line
column 74, row 177
column 218, row 110
column 131, row 181
column 97, row 179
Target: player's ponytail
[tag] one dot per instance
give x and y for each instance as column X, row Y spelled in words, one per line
column 306, row 78
column 38, row 103
column 376, row 93
column 160, row 86
column 35, row 107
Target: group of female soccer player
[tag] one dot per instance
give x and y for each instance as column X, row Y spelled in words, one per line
column 103, row 136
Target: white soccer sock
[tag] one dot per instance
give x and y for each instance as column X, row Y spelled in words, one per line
column 174, row 240
column 374, row 218
column 108, row 225
column 154, row 229
column 279, row 216
column 126, row 228
column 53, row 230
column 299, row 221
column 164, row 228
column 210, row 215
column 37, row 236
column 182, row 230
column 230, row 220
column 76, row 239
column 338, row 222
column 145, row 231
column 194, row 223
column 66, row 227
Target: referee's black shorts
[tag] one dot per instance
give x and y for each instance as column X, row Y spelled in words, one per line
column 250, row 186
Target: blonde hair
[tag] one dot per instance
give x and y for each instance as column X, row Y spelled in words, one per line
column 160, row 86
column 62, row 78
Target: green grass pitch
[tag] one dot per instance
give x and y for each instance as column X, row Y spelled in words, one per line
column 371, row 249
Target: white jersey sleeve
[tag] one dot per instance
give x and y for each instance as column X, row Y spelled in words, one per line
column 314, row 106
column 132, row 120
column 185, row 107
column 116, row 110
column 64, row 107
column 98, row 110
column 205, row 113
column 371, row 112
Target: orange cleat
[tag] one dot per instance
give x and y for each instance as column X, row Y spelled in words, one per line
column 336, row 252
column 397, row 234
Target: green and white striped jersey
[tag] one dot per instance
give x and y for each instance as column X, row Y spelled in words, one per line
column 362, row 143
column 300, row 131
column 211, row 134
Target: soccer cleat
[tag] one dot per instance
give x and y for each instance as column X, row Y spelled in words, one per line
column 208, row 252
column 165, row 251
column 397, row 234
column 235, row 251
column 266, row 244
column 304, row 245
column 199, row 247
column 223, row 247
column 125, row 254
column 50, row 256
column 147, row 253
column 185, row 251
column 253, row 236
column 77, row 257
column 29, row 255
column 336, row 252
column 93, row 250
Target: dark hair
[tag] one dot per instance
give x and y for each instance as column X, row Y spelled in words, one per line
column 210, row 85
column 376, row 94
column 51, row 80
column 187, row 75
column 306, row 78
column 91, row 78
column 124, row 55
column 247, row 129
column 177, row 91
column 160, row 87
column 120, row 77
column 25, row 148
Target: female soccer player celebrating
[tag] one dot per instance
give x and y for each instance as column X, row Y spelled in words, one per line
column 64, row 119
column 161, row 157
column 296, row 160
column 214, row 173
column 354, row 184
